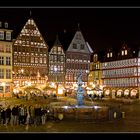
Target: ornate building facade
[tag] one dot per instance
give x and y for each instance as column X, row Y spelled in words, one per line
column 30, row 53
column 57, row 63
column 95, row 74
column 5, row 60
column 77, row 59
column 121, row 76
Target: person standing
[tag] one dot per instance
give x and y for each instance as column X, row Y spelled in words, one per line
column 8, row 115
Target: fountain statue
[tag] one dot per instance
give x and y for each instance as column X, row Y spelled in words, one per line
column 80, row 90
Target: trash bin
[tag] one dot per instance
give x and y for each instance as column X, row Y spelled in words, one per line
column 123, row 114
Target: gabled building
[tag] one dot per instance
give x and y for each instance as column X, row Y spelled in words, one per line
column 57, row 63
column 5, row 60
column 121, row 76
column 77, row 59
column 30, row 53
column 95, row 74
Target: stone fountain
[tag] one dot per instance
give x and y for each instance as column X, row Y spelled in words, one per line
column 81, row 110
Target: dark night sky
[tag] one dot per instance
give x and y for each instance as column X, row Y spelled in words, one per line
column 101, row 27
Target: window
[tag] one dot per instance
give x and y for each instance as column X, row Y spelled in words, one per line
column 8, row 61
column 1, row 35
column 32, row 59
column 107, row 55
column 8, row 35
column 82, row 47
column 6, row 25
column 7, row 89
column 8, row 48
column 19, row 58
column 36, row 59
column 40, row 60
column 74, row 46
column 27, row 59
column 1, row 73
column 45, row 60
column 23, row 59
column 1, row 60
column 8, row 74
column 1, row 89
column 111, row 54
column 125, row 52
column 1, row 48
column 59, row 50
column 15, row 59
column 95, row 57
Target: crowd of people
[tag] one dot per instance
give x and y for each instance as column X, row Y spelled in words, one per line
column 23, row 114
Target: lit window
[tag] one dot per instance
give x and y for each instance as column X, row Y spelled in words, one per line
column 40, row 60
column 1, row 60
column 125, row 52
column 122, row 52
column 8, row 48
column 1, row 35
column 7, row 89
column 111, row 54
column 36, row 59
column 8, row 74
column 8, row 61
column 95, row 57
column 32, row 59
column 108, row 55
column 8, row 35
column 1, row 48
column 1, row 73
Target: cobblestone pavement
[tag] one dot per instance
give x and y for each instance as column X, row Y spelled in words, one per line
column 131, row 122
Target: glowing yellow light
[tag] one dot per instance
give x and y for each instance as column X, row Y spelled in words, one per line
column 22, row 70
column 3, row 84
column 29, row 83
column 60, row 91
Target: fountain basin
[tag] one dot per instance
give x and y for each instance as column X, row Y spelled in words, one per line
column 75, row 112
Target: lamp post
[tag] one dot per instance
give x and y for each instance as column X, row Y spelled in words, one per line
column 55, row 69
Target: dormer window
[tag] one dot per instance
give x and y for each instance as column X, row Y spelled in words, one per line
column 1, row 35
column 6, row 25
column 95, row 57
column 82, row 47
column 74, row 46
column 125, row 52
column 109, row 54
column 8, row 35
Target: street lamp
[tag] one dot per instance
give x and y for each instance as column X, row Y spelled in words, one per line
column 55, row 69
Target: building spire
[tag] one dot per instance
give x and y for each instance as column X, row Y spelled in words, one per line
column 78, row 26
column 57, row 42
column 30, row 13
